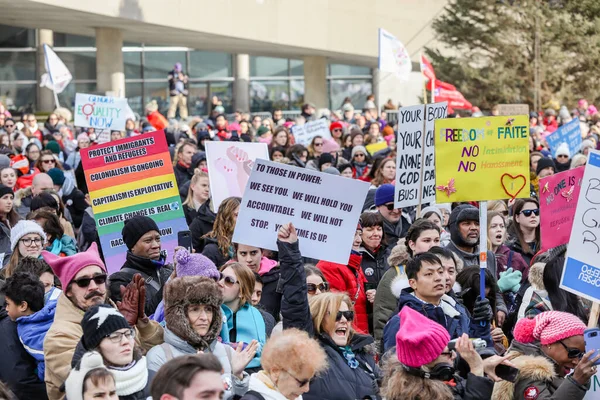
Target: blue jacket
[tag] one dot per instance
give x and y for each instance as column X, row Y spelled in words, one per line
column 243, row 326
column 32, row 330
column 450, row 314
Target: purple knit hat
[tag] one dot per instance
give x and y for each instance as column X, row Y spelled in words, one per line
column 419, row 340
column 195, row 265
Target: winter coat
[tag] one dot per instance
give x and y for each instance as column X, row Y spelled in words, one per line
column 385, row 301
column 63, row 336
column 74, row 159
column 351, row 280
column 150, row 270
column 211, row 250
column 535, row 285
column 295, row 312
column 374, row 264
column 450, row 314
column 157, row 120
column 470, row 259
column 18, row 368
column 507, row 258
column 538, row 378
column 514, row 244
column 340, row 381
column 74, row 200
column 32, row 330
column 244, row 325
column 173, row 79
column 266, row 390
column 201, row 225
column 22, row 201
column 157, row 357
column 190, row 213
column 5, row 250
column 271, row 296
column 88, row 233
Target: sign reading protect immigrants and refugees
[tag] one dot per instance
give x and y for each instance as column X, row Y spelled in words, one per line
column 581, row 274
column 304, row 134
column 132, row 177
column 324, row 209
column 100, row 112
column 479, row 159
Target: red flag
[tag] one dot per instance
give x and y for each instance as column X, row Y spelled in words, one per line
column 447, row 92
column 427, row 69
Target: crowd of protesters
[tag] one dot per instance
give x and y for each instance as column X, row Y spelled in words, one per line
column 229, row 320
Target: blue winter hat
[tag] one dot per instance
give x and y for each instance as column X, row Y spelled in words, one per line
column 384, row 194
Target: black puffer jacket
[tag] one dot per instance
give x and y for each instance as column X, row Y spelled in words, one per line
column 4, row 244
column 271, row 294
column 201, row 225
column 182, row 174
column 374, row 265
column 148, row 269
column 211, row 250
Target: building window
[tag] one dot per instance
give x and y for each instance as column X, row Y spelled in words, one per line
column 16, row 37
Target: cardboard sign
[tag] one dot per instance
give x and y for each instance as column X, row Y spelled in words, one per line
column 513, row 109
column 479, row 159
column 230, row 165
column 324, row 209
column 581, row 274
column 304, row 134
column 130, row 177
column 570, row 134
column 415, row 147
column 101, row 112
column 558, row 199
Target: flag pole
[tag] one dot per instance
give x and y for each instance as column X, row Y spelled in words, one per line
column 56, row 98
column 48, row 69
column 433, row 90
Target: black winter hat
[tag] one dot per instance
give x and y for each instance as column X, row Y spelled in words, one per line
column 137, row 227
column 464, row 212
column 324, row 159
column 99, row 322
column 4, row 190
column 544, row 162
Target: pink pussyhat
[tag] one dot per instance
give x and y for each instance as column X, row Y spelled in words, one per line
column 419, row 340
column 548, row 327
column 67, row 267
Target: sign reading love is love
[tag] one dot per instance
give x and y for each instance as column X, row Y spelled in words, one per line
column 479, row 159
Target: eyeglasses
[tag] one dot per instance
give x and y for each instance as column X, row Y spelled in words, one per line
column 390, row 206
column 49, row 161
column 359, row 155
column 302, row 382
column 528, row 213
column 228, row 280
column 349, row 315
column 28, row 242
column 312, row 288
column 117, row 337
column 85, row 282
column 571, row 351
column 337, row 130
column 562, row 156
column 318, row 144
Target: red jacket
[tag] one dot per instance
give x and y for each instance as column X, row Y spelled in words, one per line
column 157, row 120
column 351, row 280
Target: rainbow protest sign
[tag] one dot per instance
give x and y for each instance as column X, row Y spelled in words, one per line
column 132, row 177
column 479, row 159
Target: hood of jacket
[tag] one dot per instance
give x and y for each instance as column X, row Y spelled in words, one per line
column 46, row 314
column 536, row 275
column 399, row 255
column 266, row 265
column 447, row 304
column 68, row 186
column 206, row 214
column 20, row 195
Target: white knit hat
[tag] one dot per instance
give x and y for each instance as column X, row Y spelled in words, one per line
column 23, row 228
column 75, row 380
column 563, row 150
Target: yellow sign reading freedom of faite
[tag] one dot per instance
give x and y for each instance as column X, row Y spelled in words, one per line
column 479, row 159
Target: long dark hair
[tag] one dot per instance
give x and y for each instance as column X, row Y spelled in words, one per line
column 560, row 299
column 468, row 279
column 419, row 226
column 515, row 228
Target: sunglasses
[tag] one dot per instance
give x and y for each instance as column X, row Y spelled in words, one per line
column 337, row 130
column 359, row 155
column 49, row 161
column 9, row 126
column 528, row 213
column 562, row 156
column 349, row 315
column 312, row 288
column 572, row 352
column 318, row 144
column 85, row 282
column 390, row 206
column 228, row 280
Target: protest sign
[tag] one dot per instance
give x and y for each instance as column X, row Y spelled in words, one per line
column 130, row 177
column 513, row 109
column 324, row 209
column 558, row 199
column 304, row 134
column 594, row 392
column 375, row 147
column 393, row 56
column 100, row 112
column 230, row 165
column 415, row 156
column 581, row 274
column 478, row 159
column 568, row 133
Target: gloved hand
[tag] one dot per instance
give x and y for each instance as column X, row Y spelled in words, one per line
column 129, row 304
column 141, row 286
column 482, row 311
column 510, row 281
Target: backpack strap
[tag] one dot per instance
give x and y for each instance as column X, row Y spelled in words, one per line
column 147, row 278
column 168, row 352
column 510, row 256
column 253, row 395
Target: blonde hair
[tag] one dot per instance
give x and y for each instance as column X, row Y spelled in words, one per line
column 492, row 205
column 189, row 200
column 293, row 350
column 578, row 160
column 324, row 308
column 399, row 385
column 245, row 278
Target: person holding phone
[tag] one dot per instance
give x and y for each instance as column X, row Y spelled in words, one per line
column 545, row 349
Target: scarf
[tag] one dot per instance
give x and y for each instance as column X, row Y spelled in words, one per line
column 396, row 229
column 350, row 357
column 132, row 378
column 56, row 247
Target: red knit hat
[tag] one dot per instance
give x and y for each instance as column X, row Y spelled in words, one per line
column 335, row 125
column 419, row 340
column 548, row 327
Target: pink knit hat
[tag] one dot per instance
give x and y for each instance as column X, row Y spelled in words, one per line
column 330, row 145
column 67, row 267
column 419, row 340
column 548, row 327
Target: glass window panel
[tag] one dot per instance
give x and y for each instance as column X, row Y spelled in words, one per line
column 224, row 92
column 81, row 64
column 17, row 66
column 297, row 94
column 158, row 91
column 268, row 66
column 68, row 40
column 134, row 97
column 356, row 89
column 133, row 65
column 296, row 67
column 67, row 97
column 348, row 70
column 210, row 64
column 267, row 95
column 18, row 98
column 198, row 99
column 12, row 36
column 158, row 64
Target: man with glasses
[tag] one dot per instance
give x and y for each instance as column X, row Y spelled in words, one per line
column 9, row 126
column 83, row 277
column 141, row 235
column 395, row 222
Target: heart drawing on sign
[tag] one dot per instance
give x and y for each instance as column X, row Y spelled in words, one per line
column 512, row 185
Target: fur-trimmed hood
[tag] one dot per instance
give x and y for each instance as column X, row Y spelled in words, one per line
column 20, row 195
column 185, row 291
column 399, row 254
column 536, row 276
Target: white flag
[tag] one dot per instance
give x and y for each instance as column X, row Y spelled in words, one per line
column 57, row 76
column 393, row 56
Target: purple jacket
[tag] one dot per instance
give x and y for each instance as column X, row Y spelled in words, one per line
column 507, row 258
